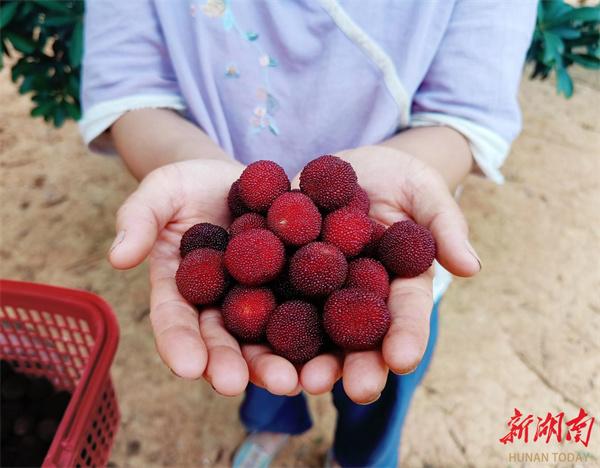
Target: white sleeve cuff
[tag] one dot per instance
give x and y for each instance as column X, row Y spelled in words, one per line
column 99, row 118
column 489, row 149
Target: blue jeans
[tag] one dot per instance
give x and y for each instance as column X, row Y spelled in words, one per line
column 366, row 435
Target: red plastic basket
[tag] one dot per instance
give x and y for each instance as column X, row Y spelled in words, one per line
column 69, row 337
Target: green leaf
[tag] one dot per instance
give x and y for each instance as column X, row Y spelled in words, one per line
column 566, row 32
column 54, row 21
column 7, row 12
column 42, row 109
column 587, row 61
column 73, row 111
column 26, row 84
column 26, row 8
column 54, row 5
column 552, row 10
column 553, row 47
column 591, row 14
column 585, row 14
column 59, row 116
column 73, row 86
column 76, row 45
column 586, row 39
column 564, row 83
column 22, row 44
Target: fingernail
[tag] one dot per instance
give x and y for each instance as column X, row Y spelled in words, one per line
column 372, row 401
column 118, row 239
column 174, row 373
column 472, row 252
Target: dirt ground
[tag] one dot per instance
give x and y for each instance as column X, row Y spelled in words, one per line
column 523, row 334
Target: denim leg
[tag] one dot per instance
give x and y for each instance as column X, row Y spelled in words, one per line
column 369, row 435
column 263, row 411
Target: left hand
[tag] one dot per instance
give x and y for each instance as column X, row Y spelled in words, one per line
column 400, row 186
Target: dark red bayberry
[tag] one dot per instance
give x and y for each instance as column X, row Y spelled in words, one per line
column 294, row 331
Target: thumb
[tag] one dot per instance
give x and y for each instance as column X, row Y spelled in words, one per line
column 139, row 221
column 435, row 208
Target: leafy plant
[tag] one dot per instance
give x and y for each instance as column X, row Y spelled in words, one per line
column 564, row 36
column 48, row 36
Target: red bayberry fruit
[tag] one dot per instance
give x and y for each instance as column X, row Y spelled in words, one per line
column 349, row 229
column 370, row 249
column 294, row 331
column 234, row 201
column 246, row 310
column 294, row 218
column 317, row 269
column 329, row 181
column 247, row 221
column 355, row 319
column 368, row 274
column 201, row 277
column 255, row 257
column 261, row 183
column 360, row 201
column 203, row 235
column 407, row 249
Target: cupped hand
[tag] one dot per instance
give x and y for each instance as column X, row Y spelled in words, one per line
column 399, row 187
column 150, row 223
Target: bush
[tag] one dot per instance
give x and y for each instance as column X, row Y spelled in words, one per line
column 564, row 36
column 48, row 36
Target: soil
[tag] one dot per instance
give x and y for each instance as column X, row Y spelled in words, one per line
column 522, row 334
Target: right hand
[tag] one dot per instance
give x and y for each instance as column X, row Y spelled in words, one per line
column 150, row 223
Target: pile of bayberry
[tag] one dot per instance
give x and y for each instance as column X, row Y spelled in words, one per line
column 306, row 269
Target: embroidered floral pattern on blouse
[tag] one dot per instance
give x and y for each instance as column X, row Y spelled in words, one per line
column 262, row 117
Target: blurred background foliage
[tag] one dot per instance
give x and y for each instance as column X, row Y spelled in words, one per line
column 46, row 39
column 564, row 36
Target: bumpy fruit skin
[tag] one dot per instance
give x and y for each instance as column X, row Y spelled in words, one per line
column 360, row 201
column 261, row 183
column 349, row 229
column 247, row 221
column 294, row 218
column 294, row 331
column 318, row 269
column 203, row 235
column 371, row 248
column 255, row 257
column 329, row 181
column 407, row 249
column 355, row 319
column 201, row 277
column 369, row 274
column 246, row 311
column 234, row 201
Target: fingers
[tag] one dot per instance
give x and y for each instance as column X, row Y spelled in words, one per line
column 271, row 372
column 410, row 305
column 176, row 330
column 365, row 375
column 320, row 373
column 434, row 207
column 226, row 370
column 144, row 213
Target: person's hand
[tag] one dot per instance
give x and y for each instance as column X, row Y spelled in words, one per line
column 399, row 187
column 151, row 222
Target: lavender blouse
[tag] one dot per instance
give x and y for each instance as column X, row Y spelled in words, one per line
column 287, row 80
